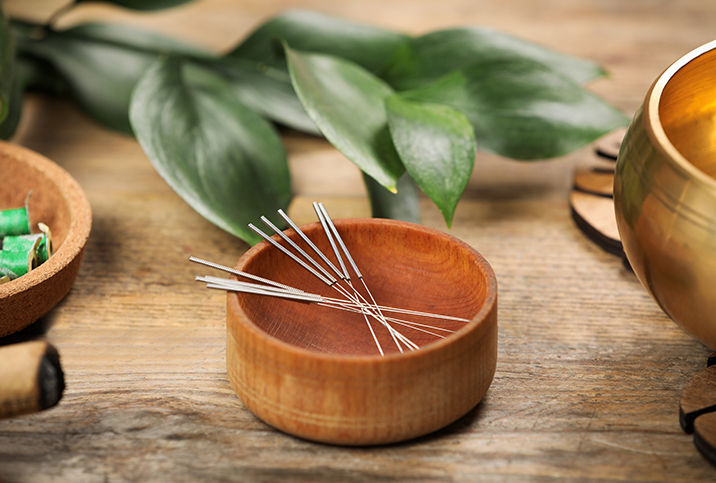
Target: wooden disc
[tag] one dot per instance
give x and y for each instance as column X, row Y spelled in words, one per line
column 592, row 196
column 705, row 436
column 697, row 411
column 595, row 181
column 594, row 215
column 608, row 146
column 699, row 396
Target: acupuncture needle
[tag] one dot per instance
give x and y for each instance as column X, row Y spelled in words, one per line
column 330, row 264
column 310, row 259
column 348, row 255
column 327, row 223
column 293, row 289
column 327, row 299
column 235, row 285
column 345, row 251
column 246, row 287
column 327, row 230
column 318, row 266
column 344, row 275
column 301, row 252
column 291, row 294
column 250, row 276
column 311, row 270
column 310, row 243
column 291, row 255
column 352, row 304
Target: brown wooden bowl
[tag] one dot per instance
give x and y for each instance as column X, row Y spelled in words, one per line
column 316, row 373
column 57, row 201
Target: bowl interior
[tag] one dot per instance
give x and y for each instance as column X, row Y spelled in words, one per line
column 403, row 265
column 687, row 111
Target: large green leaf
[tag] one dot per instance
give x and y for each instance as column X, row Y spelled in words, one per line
column 143, row 4
column 523, row 110
column 368, row 46
column 258, row 66
column 268, row 91
column 437, row 146
column 30, row 73
column 102, row 64
column 436, row 54
column 347, row 104
column 219, row 156
column 24, row 72
column 403, row 205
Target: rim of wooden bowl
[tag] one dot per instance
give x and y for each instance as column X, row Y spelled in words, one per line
column 434, row 346
column 77, row 233
column 652, row 118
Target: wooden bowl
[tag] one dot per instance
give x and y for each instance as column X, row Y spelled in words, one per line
column 665, row 192
column 316, row 372
column 57, row 201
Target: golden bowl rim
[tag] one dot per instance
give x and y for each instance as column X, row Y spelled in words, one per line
column 480, row 318
column 652, row 120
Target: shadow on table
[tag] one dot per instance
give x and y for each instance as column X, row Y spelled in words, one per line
column 34, row 331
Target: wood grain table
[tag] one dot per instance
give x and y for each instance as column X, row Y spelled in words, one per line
column 589, row 369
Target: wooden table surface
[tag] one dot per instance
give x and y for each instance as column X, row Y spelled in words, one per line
column 589, row 370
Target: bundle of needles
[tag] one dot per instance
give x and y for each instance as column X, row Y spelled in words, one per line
column 338, row 278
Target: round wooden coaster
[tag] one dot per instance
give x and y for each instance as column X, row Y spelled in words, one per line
column 595, row 181
column 608, row 146
column 697, row 410
column 705, row 436
column 594, row 215
column 592, row 196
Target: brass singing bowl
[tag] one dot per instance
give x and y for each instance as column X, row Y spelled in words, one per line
column 665, row 193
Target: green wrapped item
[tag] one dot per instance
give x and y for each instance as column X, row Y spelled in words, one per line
column 41, row 242
column 20, row 250
column 14, row 222
column 14, row 264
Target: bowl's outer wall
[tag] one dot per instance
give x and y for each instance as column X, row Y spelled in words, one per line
column 668, row 228
column 364, row 403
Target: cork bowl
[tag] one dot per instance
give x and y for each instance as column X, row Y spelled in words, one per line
column 57, row 201
column 316, row 372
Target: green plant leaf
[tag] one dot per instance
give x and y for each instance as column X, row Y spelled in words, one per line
column 268, row 91
column 347, row 104
column 25, row 71
column 100, row 68
column 523, row 110
column 403, row 205
column 366, row 45
column 223, row 159
column 437, row 146
column 260, row 73
column 143, row 4
column 436, row 54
